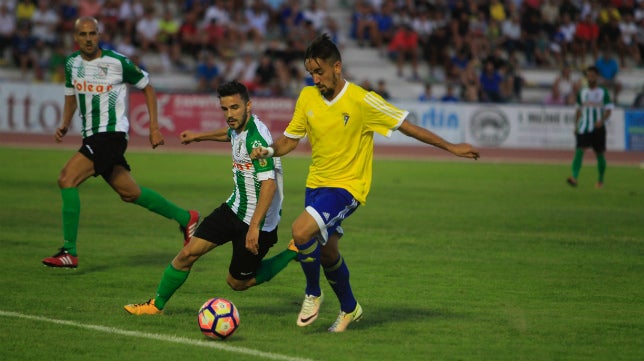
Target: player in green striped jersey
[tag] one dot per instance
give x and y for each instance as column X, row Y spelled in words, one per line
column 248, row 218
column 594, row 107
column 96, row 85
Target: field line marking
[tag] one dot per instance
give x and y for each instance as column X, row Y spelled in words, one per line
column 158, row 337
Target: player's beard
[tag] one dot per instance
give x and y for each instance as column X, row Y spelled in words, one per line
column 90, row 50
column 241, row 123
column 326, row 91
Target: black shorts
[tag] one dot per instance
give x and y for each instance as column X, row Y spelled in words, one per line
column 106, row 150
column 595, row 139
column 222, row 226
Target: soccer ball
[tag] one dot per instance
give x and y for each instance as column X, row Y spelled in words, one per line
column 218, row 318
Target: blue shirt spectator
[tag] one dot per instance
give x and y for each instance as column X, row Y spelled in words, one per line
column 491, row 83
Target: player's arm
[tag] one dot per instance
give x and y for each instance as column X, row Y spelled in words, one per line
column 69, row 108
column 280, row 147
column 464, row 150
column 156, row 138
column 605, row 116
column 266, row 192
column 219, row 135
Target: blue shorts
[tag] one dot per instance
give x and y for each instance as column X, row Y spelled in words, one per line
column 329, row 206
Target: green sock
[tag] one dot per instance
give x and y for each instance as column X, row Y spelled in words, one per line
column 71, row 216
column 601, row 166
column 159, row 205
column 170, row 282
column 576, row 162
column 272, row 266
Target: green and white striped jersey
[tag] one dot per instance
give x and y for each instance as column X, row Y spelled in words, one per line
column 247, row 174
column 100, row 87
column 592, row 102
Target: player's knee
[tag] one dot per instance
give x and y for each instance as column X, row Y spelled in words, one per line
column 300, row 236
column 184, row 259
column 64, row 180
column 129, row 196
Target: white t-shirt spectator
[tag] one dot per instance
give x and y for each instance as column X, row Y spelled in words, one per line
column 45, row 21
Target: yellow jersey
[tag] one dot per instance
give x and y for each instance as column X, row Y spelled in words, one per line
column 341, row 135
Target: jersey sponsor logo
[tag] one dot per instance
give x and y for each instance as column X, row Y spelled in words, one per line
column 243, row 166
column 90, row 87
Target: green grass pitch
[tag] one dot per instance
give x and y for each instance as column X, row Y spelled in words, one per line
column 457, row 260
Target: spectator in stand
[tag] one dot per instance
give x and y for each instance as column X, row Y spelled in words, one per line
column 364, row 24
column 566, row 86
column 168, row 39
column 550, row 17
column 608, row 69
column 511, row 34
column 439, row 47
column 257, row 17
column 450, row 94
column 477, row 36
column 265, row 77
column 564, row 38
column 457, row 63
column 208, row 74
column 608, row 13
column 126, row 46
column 491, row 83
column 44, row 23
column 554, row 97
column 290, row 16
column 244, row 70
column 586, row 38
column 460, row 28
column 638, row 11
column 496, row 11
column 217, row 11
column 640, row 40
column 381, row 89
column 427, row 95
column 513, row 80
column 147, row 31
column 316, row 15
column 470, row 82
column 68, row 12
column 110, row 17
column 23, row 47
column 628, row 40
column 56, row 63
column 569, row 7
column 214, row 37
column 7, row 31
column 129, row 12
column 531, row 29
column 24, row 10
column 90, row 8
column 386, row 25
column 189, row 35
column 404, row 48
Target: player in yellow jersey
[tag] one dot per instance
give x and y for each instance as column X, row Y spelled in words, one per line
column 340, row 119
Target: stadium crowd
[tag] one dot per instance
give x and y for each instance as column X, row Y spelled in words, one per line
column 478, row 46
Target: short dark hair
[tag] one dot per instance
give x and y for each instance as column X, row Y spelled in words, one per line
column 231, row 88
column 593, row 69
column 322, row 47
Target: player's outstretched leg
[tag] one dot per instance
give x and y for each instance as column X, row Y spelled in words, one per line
column 67, row 257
